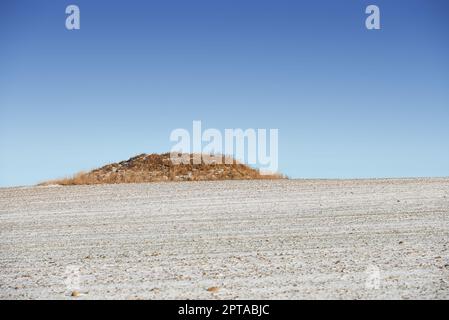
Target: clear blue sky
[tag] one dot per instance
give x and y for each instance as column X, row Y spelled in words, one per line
column 348, row 102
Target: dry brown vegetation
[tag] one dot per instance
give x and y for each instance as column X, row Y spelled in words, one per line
column 160, row 167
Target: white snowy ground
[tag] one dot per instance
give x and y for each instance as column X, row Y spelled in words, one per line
column 294, row 239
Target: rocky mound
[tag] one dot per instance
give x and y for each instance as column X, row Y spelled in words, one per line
column 159, row 167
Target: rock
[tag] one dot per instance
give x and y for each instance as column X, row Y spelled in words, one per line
column 75, row 293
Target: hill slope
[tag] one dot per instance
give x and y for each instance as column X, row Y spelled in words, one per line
column 159, row 167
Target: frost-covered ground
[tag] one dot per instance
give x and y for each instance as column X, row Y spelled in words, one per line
column 250, row 239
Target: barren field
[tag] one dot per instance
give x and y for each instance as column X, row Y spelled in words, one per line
column 292, row 239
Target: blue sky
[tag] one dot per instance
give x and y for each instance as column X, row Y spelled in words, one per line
column 348, row 102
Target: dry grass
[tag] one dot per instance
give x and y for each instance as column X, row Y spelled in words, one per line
column 156, row 168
